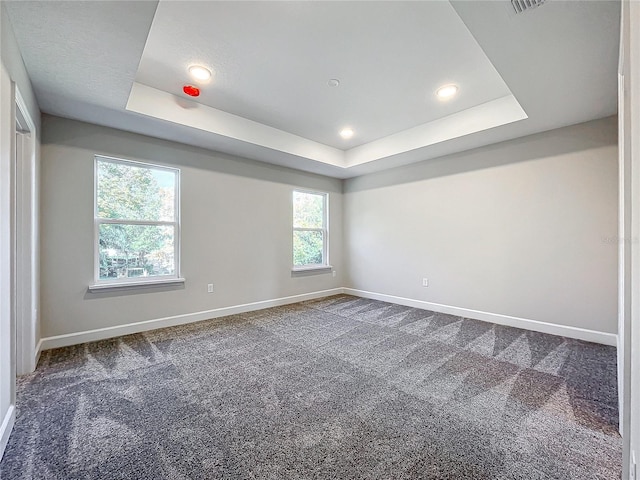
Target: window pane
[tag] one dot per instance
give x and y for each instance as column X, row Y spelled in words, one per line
column 129, row 251
column 307, row 248
column 308, row 210
column 130, row 192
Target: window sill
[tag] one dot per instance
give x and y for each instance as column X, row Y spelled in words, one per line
column 96, row 287
column 311, row 269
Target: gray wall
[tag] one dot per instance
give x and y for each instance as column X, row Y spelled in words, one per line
column 236, row 230
column 525, row 228
column 629, row 352
column 7, row 327
column 12, row 59
column 13, row 71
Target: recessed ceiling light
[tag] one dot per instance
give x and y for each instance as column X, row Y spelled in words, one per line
column 199, row 72
column 334, row 82
column 346, row 133
column 447, row 91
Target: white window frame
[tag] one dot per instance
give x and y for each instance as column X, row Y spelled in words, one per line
column 99, row 283
column 324, row 230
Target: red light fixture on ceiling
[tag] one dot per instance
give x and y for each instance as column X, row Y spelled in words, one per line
column 191, row 90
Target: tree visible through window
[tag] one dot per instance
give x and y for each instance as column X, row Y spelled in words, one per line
column 136, row 219
column 309, row 229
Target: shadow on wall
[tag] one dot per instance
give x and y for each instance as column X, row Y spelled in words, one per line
column 134, row 146
column 575, row 138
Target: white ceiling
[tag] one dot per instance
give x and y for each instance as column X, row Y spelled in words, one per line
column 273, row 61
column 122, row 64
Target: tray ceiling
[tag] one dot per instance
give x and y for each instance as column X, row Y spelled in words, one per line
column 123, row 64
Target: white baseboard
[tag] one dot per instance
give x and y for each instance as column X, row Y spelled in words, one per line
column 37, row 353
column 31, row 360
column 138, row 327
column 524, row 323
column 6, row 427
column 144, row 326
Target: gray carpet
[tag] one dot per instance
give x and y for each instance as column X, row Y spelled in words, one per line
column 337, row 388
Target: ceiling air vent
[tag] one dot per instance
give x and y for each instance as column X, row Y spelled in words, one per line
column 523, row 5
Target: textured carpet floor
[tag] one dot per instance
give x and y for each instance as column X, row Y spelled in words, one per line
column 337, row 388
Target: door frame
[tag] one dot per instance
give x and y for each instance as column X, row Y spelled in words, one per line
column 26, row 242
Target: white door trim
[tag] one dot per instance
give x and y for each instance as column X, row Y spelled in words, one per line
column 26, row 235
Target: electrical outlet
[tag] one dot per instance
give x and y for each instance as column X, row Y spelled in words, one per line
column 425, row 282
column 334, row 273
column 210, row 288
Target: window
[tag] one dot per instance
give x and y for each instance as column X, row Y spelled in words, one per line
column 137, row 228
column 309, row 230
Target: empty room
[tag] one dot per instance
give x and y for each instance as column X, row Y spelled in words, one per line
column 320, row 239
